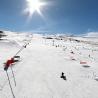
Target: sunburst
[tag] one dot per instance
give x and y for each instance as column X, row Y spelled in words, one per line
column 33, row 6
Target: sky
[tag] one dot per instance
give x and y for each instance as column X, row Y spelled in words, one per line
column 58, row 16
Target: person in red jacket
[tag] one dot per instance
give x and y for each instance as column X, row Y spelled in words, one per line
column 8, row 63
column 12, row 60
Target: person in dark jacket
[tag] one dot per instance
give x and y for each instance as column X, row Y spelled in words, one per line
column 63, row 76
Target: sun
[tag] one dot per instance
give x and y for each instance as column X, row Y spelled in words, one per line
column 33, row 6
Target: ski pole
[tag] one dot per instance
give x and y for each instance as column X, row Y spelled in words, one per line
column 19, row 51
column 10, row 85
column 13, row 76
column 22, row 48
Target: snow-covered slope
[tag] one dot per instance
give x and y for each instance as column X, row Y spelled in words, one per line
column 42, row 62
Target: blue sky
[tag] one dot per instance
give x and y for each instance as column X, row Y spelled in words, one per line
column 60, row 16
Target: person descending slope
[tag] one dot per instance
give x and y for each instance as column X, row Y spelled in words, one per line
column 63, row 76
column 8, row 63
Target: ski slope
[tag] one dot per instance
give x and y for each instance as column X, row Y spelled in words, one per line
column 38, row 73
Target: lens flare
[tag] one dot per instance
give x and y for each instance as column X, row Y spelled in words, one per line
column 33, row 6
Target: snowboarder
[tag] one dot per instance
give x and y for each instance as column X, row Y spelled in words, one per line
column 63, row 76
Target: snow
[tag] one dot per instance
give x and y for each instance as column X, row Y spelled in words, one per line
column 38, row 73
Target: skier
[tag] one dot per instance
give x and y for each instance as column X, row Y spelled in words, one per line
column 25, row 46
column 12, row 60
column 72, row 52
column 62, row 76
column 89, row 55
column 7, row 65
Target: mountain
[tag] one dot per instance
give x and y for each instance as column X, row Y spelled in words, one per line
column 39, row 70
